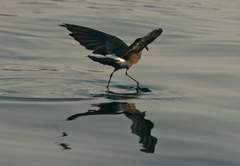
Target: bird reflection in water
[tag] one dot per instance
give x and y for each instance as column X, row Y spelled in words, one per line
column 140, row 126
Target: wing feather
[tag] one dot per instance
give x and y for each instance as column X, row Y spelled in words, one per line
column 97, row 41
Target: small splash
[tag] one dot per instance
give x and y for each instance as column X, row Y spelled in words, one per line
column 145, row 89
column 65, row 146
column 64, row 134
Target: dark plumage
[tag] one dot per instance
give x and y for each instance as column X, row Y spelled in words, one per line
column 114, row 51
column 99, row 42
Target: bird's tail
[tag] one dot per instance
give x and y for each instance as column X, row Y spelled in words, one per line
column 96, row 59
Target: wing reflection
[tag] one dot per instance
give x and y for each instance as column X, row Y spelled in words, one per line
column 140, row 126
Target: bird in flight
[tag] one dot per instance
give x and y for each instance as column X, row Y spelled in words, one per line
column 113, row 51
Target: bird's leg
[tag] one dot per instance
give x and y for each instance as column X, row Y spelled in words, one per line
column 110, row 79
column 138, row 88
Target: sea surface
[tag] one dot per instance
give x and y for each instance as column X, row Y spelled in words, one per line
column 54, row 108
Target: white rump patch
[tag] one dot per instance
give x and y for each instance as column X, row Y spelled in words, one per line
column 116, row 58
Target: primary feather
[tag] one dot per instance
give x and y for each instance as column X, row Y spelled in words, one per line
column 100, row 42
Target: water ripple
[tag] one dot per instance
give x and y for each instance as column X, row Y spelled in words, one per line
column 39, row 99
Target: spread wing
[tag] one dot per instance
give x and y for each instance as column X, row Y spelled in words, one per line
column 99, row 42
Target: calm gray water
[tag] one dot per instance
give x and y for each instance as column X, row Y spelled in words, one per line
column 53, row 106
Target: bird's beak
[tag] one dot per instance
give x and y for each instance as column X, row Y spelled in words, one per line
column 147, row 48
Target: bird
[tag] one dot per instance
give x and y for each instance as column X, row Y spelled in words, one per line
column 111, row 50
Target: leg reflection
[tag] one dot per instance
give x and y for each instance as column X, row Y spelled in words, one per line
column 140, row 126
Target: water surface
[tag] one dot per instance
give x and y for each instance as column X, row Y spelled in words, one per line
column 54, row 107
